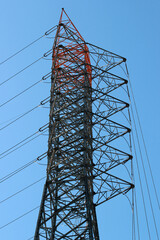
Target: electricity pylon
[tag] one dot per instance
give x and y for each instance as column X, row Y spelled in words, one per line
column 87, row 140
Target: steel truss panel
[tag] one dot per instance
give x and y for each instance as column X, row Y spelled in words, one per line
column 86, row 137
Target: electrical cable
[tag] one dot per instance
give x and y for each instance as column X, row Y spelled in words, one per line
column 42, row 103
column 133, row 216
column 34, row 84
column 25, row 90
column 148, row 161
column 20, row 169
column 132, row 178
column 23, row 142
column 33, row 134
column 22, row 70
column 20, row 146
column 24, row 114
column 17, row 170
column 22, row 49
column 142, row 157
column 137, row 216
column 139, row 176
column 144, row 169
column 9, row 120
column 134, row 203
column 39, row 158
column 36, row 40
column 19, row 143
column 145, row 176
column 30, row 238
column 23, row 189
column 16, row 219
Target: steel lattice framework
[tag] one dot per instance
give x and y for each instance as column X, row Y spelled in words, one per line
column 88, row 130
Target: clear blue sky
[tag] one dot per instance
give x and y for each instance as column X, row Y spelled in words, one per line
column 128, row 28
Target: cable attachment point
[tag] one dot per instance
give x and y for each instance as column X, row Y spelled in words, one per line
column 47, row 53
column 50, row 30
column 44, row 155
column 46, row 100
column 44, row 127
column 46, row 76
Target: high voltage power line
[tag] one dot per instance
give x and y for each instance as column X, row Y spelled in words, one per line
column 43, row 130
column 26, row 89
column 16, row 219
column 48, row 32
column 19, row 94
column 35, row 160
column 42, row 103
column 23, row 142
column 22, row 190
column 25, row 68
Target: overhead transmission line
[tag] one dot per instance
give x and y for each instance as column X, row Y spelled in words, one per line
column 17, row 95
column 26, row 213
column 140, row 181
column 24, row 114
column 137, row 218
column 26, row 89
column 134, row 199
column 141, row 157
column 39, row 105
column 17, row 170
column 16, row 219
column 22, row 190
column 30, row 238
column 22, row 70
column 23, row 142
column 30, row 44
column 145, row 148
column 39, row 158
column 148, row 191
column 21, row 116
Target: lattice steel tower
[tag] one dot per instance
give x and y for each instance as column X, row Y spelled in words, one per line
column 88, row 132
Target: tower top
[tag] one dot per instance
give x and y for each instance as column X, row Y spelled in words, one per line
column 65, row 19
